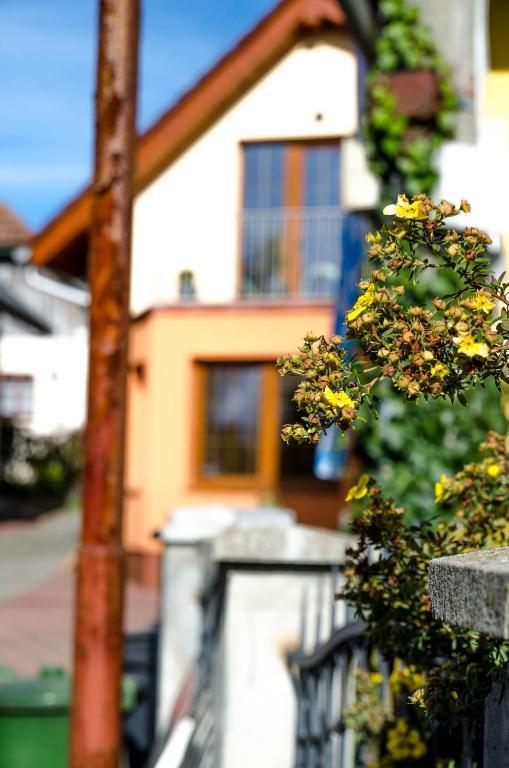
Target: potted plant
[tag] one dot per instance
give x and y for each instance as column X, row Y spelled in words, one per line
column 410, row 102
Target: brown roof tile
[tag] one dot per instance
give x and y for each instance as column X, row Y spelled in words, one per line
column 13, row 231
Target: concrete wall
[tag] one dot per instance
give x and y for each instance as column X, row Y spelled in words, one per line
column 261, row 627
column 187, row 219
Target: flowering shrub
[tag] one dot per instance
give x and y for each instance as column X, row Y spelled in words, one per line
column 387, row 733
column 406, row 449
column 390, row 591
column 426, row 352
column 447, row 671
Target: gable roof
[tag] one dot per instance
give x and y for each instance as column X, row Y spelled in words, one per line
column 63, row 242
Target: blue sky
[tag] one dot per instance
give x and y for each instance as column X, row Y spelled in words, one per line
column 47, row 59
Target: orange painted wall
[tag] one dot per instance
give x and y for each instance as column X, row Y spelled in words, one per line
column 163, row 346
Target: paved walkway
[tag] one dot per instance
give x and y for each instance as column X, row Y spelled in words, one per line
column 31, row 552
column 36, row 594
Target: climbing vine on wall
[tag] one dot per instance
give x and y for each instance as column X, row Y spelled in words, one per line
column 401, row 137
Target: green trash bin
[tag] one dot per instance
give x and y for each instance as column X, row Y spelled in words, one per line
column 34, row 719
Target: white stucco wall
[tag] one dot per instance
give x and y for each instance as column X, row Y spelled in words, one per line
column 478, row 173
column 58, row 365
column 187, row 219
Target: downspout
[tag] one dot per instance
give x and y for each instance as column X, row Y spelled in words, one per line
column 363, row 23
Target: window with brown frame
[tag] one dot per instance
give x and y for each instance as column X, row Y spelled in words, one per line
column 291, row 219
column 16, row 395
column 241, row 407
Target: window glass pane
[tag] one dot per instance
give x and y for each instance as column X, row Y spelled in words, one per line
column 232, row 412
column 321, row 227
column 16, row 394
column 25, row 396
column 263, row 176
column 322, row 175
column 262, row 225
column 263, row 256
column 6, row 397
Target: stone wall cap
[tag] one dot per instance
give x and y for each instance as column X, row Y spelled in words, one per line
column 296, row 545
column 472, row 590
column 190, row 526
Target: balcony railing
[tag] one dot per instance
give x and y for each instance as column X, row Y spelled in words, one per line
column 293, row 252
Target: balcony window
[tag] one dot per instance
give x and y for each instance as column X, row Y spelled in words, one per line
column 291, row 220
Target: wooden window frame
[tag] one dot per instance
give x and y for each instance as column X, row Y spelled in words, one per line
column 266, row 476
column 293, row 197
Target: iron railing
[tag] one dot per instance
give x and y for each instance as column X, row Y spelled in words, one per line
column 292, row 252
column 202, row 750
column 324, row 678
column 324, row 682
column 331, row 648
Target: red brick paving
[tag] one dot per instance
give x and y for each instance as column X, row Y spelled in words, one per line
column 36, row 627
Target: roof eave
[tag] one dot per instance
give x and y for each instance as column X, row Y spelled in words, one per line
column 17, row 309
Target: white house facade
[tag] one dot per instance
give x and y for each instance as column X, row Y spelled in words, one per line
column 43, row 375
column 189, row 217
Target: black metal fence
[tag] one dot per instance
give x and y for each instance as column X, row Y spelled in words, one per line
column 324, row 682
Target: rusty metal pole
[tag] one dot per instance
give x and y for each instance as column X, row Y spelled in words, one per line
column 95, row 725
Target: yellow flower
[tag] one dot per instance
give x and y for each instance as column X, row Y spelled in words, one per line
column 482, row 303
column 493, row 470
column 441, row 488
column 359, row 490
column 404, row 209
column 338, row 399
column 405, row 678
column 440, row 371
column 362, row 303
column 469, row 347
column 403, row 742
column 376, row 678
column 417, row 696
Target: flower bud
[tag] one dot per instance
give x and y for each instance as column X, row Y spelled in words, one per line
column 446, row 208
